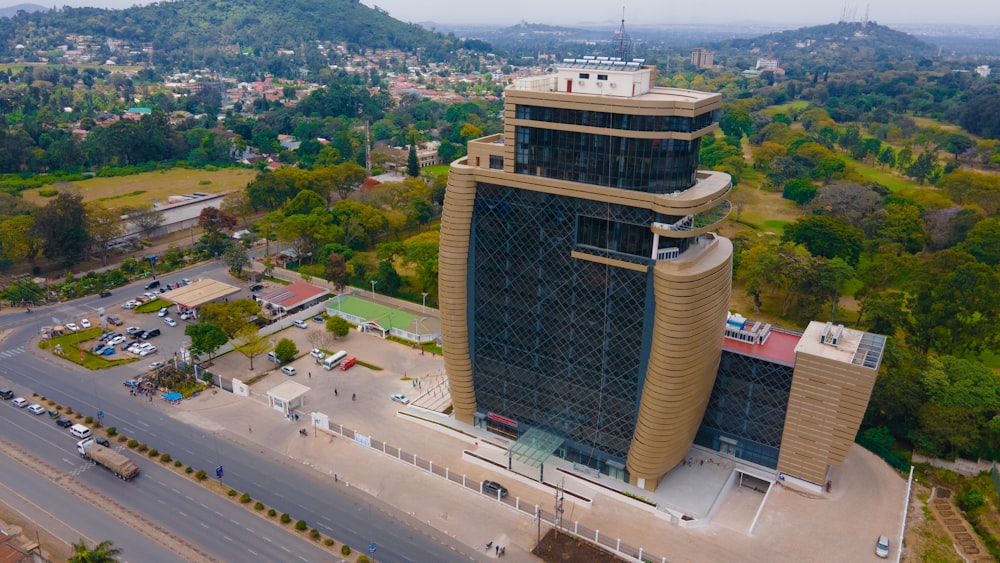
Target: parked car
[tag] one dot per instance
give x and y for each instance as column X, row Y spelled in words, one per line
column 493, row 488
column 99, row 348
column 187, row 315
column 105, row 293
column 319, row 318
column 882, row 547
column 147, row 334
column 256, row 287
column 115, row 341
column 19, row 402
column 300, row 324
column 105, row 336
column 72, row 327
column 133, row 383
column 85, row 323
column 152, row 284
column 64, row 422
column 186, row 281
column 163, row 312
column 103, row 441
column 147, row 351
column 6, row 394
column 114, row 320
column 400, row 398
column 169, row 321
column 130, row 304
column 35, row 408
column 288, row 370
column 156, row 365
column 132, row 330
column 150, row 295
column 108, row 351
column 317, row 353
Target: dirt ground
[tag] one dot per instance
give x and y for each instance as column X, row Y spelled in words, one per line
column 52, row 547
column 565, row 548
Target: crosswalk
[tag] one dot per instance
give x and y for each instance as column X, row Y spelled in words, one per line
column 11, row 352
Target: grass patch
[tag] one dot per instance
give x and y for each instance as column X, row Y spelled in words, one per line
column 159, row 184
column 151, row 306
column 119, row 196
column 783, row 108
column 436, row 169
column 72, row 351
column 990, row 359
column 372, row 367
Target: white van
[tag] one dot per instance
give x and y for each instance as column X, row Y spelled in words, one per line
column 334, row 361
column 80, row 431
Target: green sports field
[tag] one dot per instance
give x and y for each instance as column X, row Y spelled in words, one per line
column 387, row 317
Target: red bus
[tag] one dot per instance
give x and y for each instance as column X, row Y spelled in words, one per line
column 347, row 363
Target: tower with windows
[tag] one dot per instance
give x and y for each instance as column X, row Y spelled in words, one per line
column 584, row 294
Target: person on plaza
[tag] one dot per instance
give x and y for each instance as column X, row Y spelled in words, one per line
column 353, row 396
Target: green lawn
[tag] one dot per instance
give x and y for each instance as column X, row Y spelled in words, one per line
column 72, row 352
column 783, row 108
column 151, row 306
column 435, row 170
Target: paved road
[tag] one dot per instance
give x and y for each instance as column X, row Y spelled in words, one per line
column 345, row 515
column 212, row 525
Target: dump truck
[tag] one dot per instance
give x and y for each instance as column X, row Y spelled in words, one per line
column 123, row 467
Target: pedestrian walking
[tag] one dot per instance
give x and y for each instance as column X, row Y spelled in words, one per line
column 334, row 391
column 497, row 550
column 335, row 478
column 250, row 428
column 354, row 396
column 503, row 551
column 310, row 375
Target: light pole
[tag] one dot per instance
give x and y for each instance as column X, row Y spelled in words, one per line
column 373, row 289
column 423, row 304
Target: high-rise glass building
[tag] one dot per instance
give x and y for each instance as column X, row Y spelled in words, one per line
column 583, row 292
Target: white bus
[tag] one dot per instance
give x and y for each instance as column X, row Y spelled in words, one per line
column 334, row 361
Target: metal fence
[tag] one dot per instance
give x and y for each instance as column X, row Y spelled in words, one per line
column 574, row 528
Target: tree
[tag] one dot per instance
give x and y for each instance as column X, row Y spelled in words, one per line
column 412, row 164
column 897, row 225
column 213, row 220
column 285, row 350
column 104, row 552
column 304, row 203
column 103, row 225
column 250, row 342
column 337, row 326
column 62, row 227
column 236, row 258
column 921, row 168
column 983, row 241
column 146, row 218
column 956, row 144
column 238, row 204
column 887, row 158
column 230, row 317
column 799, row 190
column 961, row 397
column 336, row 271
column 830, row 237
column 736, row 122
column 205, row 339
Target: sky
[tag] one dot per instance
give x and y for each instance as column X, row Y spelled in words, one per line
column 647, row 12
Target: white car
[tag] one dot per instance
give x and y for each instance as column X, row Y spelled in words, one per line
column 289, row 370
column 400, row 398
column 317, row 353
column 85, row 323
column 163, row 312
column 882, row 547
column 73, row 327
column 116, row 341
column 156, row 365
column 300, row 324
column 187, row 315
column 169, row 321
column 130, row 304
column 35, row 408
column 186, row 281
column 147, row 351
column 19, row 402
column 150, row 295
column 132, row 330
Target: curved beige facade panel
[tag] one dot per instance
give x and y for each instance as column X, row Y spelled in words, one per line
column 453, row 268
column 692, row 299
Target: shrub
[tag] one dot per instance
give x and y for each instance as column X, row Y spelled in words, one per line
column 271, row 512
column 47, row 192
column 122, row 438
column 133, row 443
column 165, row 458
column 285, row 518
column 143, row 447
column 112, row 431
column 89, row 420
column 258, row 505
column 77, row 416
column 52, row 403
column 232, row 492
column 204, row 182
column 363, row 559
column 201, row 475
column 314, row 534
column 154, row 452
column 69, row 410
column 329, row 542
column 189, row 469
column 177, row 463
column 245, row 498
column 301, row 526
column 344, row 550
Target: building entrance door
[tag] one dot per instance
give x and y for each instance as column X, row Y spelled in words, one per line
column 728, row 446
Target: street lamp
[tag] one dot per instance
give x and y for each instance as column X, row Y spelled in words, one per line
column 423, row 304
column 373, row 289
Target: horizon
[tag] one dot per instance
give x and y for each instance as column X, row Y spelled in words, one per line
column 786, row 14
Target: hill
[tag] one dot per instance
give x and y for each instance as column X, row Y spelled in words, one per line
column 11, row 11
column 838, row 46
column 191, row 34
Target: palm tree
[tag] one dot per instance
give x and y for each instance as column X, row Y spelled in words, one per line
column 104, row 552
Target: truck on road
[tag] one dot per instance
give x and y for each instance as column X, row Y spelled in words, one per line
column 123, row 467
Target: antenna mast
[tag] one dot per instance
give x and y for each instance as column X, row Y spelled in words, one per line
column 622, row 44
